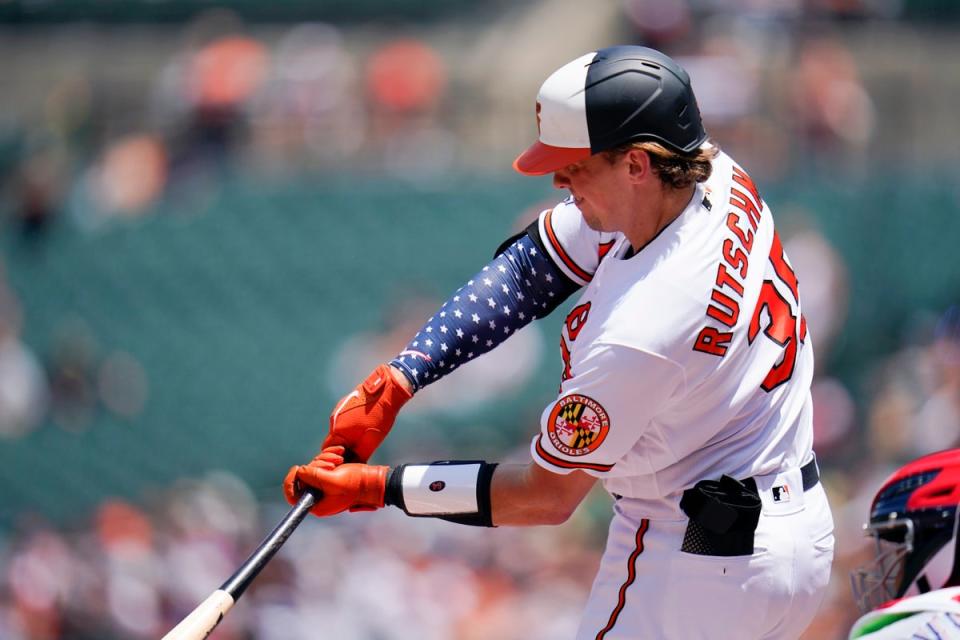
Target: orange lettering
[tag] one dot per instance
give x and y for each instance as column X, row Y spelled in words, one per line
column 781, row 329
column 779, row 262
column 713, row 341
column 576, row 319
column 725, row 308
column 737, row 259
column 745, row 237
column 728, row 316
column 740, row 177
column 724, row 278
column 740, row 200
column 565, row 354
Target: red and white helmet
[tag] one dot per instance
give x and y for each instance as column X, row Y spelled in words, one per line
column 913, row 520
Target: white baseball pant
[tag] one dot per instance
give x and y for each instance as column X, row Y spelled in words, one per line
column 647, row 588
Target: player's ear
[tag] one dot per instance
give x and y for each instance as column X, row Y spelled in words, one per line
column 638, row 164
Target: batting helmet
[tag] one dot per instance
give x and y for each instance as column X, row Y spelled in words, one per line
column 610, row 97
column 913, row 520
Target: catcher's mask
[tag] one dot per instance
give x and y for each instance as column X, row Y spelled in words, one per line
column 913, row 520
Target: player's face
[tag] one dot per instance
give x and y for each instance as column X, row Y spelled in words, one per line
column 597, row 187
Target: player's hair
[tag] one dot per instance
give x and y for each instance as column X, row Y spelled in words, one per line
column 677, row 170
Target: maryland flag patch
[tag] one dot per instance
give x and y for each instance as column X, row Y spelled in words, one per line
column 577, row 425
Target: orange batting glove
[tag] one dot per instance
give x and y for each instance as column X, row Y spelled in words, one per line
column 363, row 418
column 357, row 487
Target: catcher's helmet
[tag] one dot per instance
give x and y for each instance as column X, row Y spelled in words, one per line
column 913, row 519
column 610, row 97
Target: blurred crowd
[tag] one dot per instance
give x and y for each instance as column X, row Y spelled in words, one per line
column 134, row 572
column 226, row 100
column 70, row 385
column 780, row 87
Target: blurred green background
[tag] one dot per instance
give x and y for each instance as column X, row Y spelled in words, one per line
column 216, row 217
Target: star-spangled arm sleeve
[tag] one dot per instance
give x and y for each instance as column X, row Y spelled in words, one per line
column 520, row 284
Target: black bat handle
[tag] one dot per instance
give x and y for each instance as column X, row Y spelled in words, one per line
column 239, row 581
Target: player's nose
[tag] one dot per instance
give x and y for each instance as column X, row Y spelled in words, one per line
column 560, row 179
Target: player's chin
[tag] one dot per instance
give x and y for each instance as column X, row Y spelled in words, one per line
column 592, row 221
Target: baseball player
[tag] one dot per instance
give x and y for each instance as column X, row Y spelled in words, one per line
column 685, row 380
column 912, row 587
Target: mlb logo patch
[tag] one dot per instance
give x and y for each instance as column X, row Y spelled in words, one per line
column 781, row 493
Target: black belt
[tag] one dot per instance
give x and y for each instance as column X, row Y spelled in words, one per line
column 809, row 473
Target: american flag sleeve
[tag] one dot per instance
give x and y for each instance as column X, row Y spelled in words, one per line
column 519, row 285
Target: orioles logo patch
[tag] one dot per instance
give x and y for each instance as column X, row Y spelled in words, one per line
column 577, row 425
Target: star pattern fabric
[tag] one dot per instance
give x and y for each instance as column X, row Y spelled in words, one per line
column 518, row 286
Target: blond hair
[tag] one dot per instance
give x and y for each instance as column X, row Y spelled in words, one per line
column 677, row 170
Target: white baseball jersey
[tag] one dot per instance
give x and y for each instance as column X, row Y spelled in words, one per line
column 929, row 616
column 683, row 362
column 686, row 361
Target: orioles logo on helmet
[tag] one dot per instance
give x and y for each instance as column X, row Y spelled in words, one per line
column 577, row 425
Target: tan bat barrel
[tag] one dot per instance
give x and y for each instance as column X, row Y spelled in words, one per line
column 202, row 620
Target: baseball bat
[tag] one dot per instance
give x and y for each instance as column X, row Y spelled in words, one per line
column 201, row 622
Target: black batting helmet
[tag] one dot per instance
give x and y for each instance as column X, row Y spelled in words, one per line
column 610, row 97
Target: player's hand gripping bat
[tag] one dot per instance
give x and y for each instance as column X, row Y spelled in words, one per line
column 202, row 620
